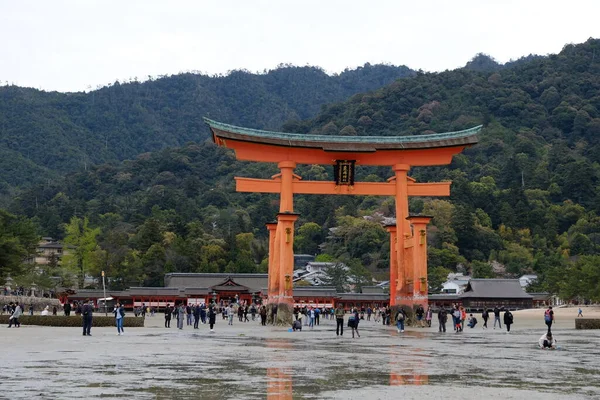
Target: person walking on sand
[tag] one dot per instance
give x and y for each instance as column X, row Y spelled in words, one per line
column 508, row 320
column 463, row 317
column 497, row 317
column 230, row 312
column 311, row 318
column 428, row 316
column 119, row 317
column 339, row 318
column 485, row 315
column 168, row 312
column 419, row 313
column 212, row 316
column 400, row 318
column 188, row 314
column 355, row 323
column 180, row 315
column 442, row 319
column 263, row 315
column 16, row 314
column 196, row 313
column 580, row 313
column 457, row 324
column 86, row 314
column 549, row 318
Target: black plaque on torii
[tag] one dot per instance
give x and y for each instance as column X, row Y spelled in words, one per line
column 343, row 170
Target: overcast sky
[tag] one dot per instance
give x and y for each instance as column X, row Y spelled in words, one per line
column 81, row 44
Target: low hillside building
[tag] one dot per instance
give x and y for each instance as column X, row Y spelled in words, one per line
column 489, row 293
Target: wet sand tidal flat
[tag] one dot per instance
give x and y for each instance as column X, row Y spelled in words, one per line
column 248, row 361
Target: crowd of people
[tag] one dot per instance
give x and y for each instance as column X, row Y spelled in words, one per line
column 194, row 315
column 10, row 309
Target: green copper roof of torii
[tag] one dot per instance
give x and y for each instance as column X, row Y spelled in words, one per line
column 341, row 143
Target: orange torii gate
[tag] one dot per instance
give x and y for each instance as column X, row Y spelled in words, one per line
column 408, row 238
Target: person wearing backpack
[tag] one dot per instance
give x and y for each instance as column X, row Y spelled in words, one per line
column 508, row 320
column 86, row 314
column 549, row 318
column 419, row 314
column 119, row 316
column 400, row 318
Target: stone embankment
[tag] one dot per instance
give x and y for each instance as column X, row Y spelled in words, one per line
column 587, row 323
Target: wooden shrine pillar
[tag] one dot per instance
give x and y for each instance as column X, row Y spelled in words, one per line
column 286, row 199
column 420, row 286
column 393, row 263
column 402, row 296
column 284, row 244
column 273, row 289
column 285, row 298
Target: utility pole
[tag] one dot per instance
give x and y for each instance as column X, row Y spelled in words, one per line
column 104, row 287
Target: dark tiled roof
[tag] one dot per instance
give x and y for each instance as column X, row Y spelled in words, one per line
column 196, row 291
column 152, row 291
column 315, row 291
column 439, row 297
column 495, row 289
column 85, row 293
column 53, row 245
column 363, row 296
column 254, row 282
column 344, row 143
column 372, row 289
column 541, row 296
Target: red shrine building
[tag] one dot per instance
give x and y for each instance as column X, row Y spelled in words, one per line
column 224, row 288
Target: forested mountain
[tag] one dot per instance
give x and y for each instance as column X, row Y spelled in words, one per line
column 44, row 134
column 523, row 200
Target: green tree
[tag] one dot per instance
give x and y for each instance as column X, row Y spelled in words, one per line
column 436, row 278
column 308, row 239
column 82, row 241
column 214, row 258
column 18, row 240
column 337, row 276
column 481, row 269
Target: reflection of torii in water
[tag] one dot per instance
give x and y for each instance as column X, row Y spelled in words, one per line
column 408, row 247
column 279, row 379
column 405, row 371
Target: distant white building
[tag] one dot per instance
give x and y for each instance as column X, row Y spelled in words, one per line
column 317, row 266
column 315, row 272
column 527, row 280
column 456, row 283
